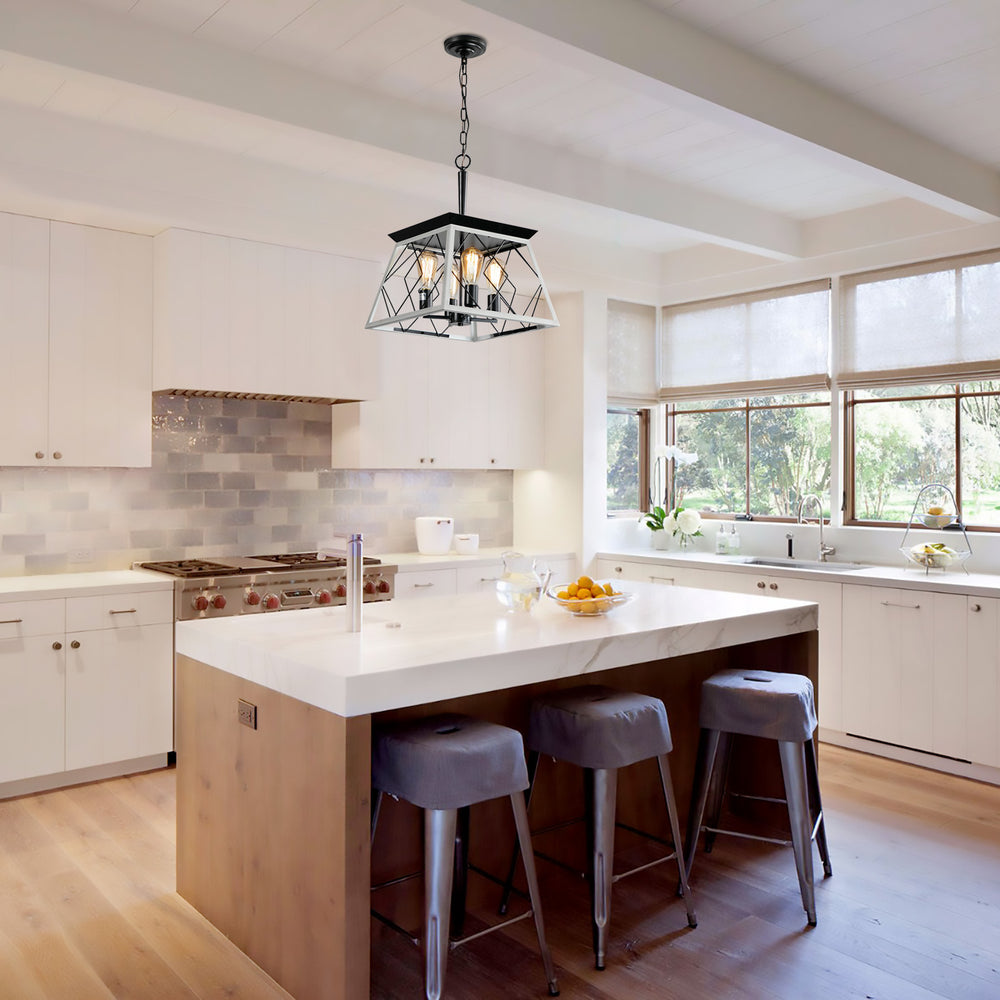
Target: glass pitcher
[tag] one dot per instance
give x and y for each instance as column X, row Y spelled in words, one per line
column 522, row 582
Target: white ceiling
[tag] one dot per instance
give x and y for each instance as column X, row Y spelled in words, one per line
column 655, row 125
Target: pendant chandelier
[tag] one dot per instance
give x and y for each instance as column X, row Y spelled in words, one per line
column 458, row 276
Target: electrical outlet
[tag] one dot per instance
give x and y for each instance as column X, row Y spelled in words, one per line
column 247, row 713
column 81, row 556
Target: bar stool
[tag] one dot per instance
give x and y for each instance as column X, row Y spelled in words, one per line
column 773, row 706
column 444, row 764
column 601, row 730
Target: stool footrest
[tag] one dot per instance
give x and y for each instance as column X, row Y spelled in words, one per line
column 747, row 836
column 642, row 868
column 392, row 925
column 489, row 930
column 758, row 798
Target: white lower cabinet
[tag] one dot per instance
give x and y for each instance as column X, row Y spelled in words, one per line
column 85, row 681
column 983, row 680
column 906, row 668
column 424, row 583
column 32, row 688
column 621, row 569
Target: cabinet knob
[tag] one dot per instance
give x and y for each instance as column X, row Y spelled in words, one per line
column 760, row 584
column 976, row 607
column 57, row 454
column 57, row 645
column 493, row 461
column 75, row 644
column 422, row 461
column 618, row 569
column 432, row 461
column 39, row 454
column 773, row 586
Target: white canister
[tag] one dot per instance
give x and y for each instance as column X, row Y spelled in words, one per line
column 466, row 545
column 434, row 535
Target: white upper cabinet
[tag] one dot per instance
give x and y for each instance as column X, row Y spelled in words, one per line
column 447, row 404
column 239, row 316
column 76, row 333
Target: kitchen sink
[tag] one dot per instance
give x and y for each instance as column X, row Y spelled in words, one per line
column 815, row 564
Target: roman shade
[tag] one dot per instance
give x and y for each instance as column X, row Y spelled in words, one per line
column 743, row 345
column 928, row 322
column 631, row 354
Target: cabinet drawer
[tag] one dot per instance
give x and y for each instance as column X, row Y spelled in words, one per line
column 125, row 610
column 472, row 579
column 23, row 618
column 426, row 583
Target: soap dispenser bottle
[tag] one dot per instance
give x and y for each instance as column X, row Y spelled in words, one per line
column 734, row 541
column 722, row 541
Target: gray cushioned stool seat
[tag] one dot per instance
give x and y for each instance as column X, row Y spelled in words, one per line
column 448, row 761
column 598, row 727
column 763, row 703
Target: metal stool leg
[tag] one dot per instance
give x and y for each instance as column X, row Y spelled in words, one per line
column 603, row 797
column 376, row 809
column 460, row 868
column 793, row 771
column 708, row 745
column 818, row 820
column 667, row 784
column 508, row 885
column 520, row 809
column 439, row 847
column 717, row 788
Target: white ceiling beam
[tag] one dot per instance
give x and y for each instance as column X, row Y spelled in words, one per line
column 723, row 80
column 127, row 49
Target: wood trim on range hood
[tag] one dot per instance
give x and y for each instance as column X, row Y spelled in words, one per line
column 213, row 394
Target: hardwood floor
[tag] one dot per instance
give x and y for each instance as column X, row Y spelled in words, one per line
column 87, row 908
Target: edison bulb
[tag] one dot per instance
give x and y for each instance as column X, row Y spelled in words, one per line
column 472, row 265
column 427, row 264
column 495, row 273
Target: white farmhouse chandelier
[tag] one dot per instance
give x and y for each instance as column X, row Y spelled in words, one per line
column 458, row 276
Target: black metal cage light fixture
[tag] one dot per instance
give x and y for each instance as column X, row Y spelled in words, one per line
column 458, row 276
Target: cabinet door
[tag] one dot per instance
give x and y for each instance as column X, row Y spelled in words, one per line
column 100, row 346
column 119, row 694
column 983, row 690
column 622, row 569
column 888, row 665
column 24, row 340
column 33, row 696
column 457, row 401
column 516, row 401
column 477, row 579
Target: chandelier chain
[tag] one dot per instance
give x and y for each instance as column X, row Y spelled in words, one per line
column 463, row 161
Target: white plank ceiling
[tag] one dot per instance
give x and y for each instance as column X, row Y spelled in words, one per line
column 659, row 124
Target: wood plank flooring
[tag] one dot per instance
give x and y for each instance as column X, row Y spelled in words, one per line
column 87, row 908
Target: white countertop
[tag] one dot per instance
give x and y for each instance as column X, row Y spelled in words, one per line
column 946, row 581
column 483, row 557
column 49, row 585
column 416, row 652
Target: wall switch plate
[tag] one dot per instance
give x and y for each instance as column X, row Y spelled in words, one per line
column 246, row 713
column 80, row 556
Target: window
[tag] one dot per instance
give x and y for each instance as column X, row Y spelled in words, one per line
column 628, row 460
column 902, row 438
column 757, row 455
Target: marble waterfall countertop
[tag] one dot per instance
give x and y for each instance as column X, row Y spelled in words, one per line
column 415, row 652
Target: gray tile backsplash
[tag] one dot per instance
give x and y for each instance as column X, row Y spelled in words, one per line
column 231, row 477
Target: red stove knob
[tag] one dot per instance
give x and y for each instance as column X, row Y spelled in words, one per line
column 383, row 586
column 271, row 602
column 341, row 590
column 200, row 603
column 252, row 598
column 323, row 597
column 369, row 586
column 218, row 602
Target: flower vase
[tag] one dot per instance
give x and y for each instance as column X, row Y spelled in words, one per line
column 660, row 539
column 684, row 541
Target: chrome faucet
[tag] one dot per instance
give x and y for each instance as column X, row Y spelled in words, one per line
column 824, row 549
column 353, row 545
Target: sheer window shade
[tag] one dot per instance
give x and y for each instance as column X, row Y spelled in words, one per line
column 753, row 344
column 939, row 320
column 631, row 353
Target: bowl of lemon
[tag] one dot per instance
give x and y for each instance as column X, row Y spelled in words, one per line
column 935, row 517
column 587, row 598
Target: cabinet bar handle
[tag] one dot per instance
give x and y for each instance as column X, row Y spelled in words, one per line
column 11, row 621
column 422, row 585
column 889, row 604
column 488, row 579
column 653, row 578
column 124, row 611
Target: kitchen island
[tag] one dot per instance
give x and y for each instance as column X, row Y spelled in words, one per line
column 274, row 716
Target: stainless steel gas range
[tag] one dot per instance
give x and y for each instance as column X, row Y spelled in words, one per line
column 218, row 588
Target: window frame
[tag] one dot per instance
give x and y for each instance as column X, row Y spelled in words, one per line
column 645, row 451
column 956, row 395
column 670, row 428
